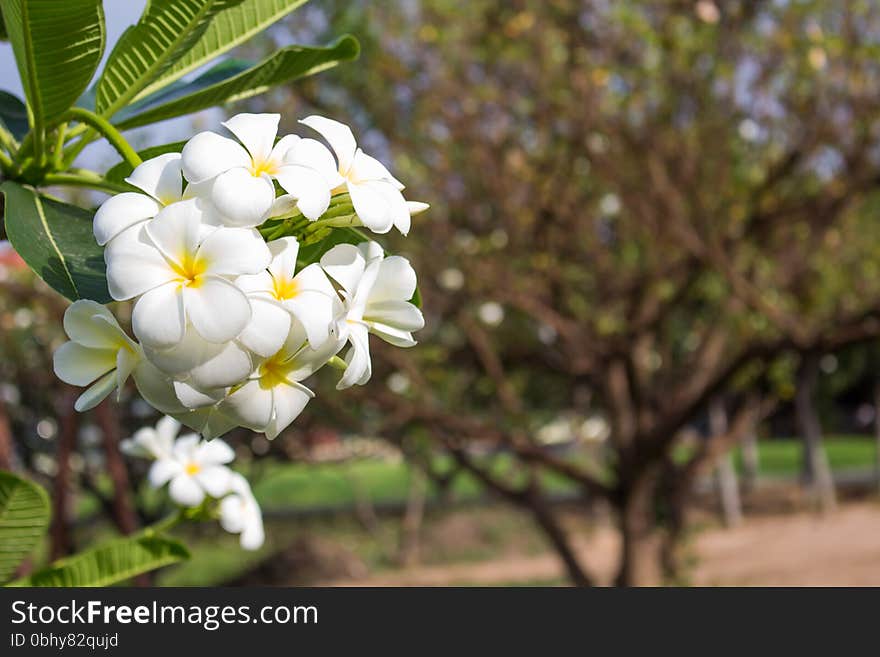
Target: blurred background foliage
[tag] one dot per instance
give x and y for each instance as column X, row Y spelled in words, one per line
column 650, row 279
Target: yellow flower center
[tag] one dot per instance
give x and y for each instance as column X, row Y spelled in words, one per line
column 192, row 469
column 259, row 167
column 189, row 270
column 284, row 288
column 274, row 370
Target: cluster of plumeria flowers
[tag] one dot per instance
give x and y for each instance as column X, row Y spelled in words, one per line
column 227, row 325
column 197, row 471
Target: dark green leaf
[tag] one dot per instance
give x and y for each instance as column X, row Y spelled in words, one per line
column 165, row 31
column 24, row 515
column 13, row 115
column 56, row 241
column 58, row 45
column 111, row 563
column 284, row 66
column 230, row 28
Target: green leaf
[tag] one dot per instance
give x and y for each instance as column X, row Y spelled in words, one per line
column 4, row 35
column 165, row 31
column 230, row 28
column 24, row 515
column 55, row 239
column 122, row 170
column 285, row 65
column 13, row 115
column 58, row 45
column 114, row 562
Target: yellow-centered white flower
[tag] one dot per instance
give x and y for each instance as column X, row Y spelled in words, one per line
column 238, row 175
column 376, row 293
column 375, row 193
column 308, row 296
column 99, row 354
column 273, row 396
column 178, row 269
column 194, row 469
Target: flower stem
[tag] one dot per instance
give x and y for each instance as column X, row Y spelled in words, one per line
column 103, row 126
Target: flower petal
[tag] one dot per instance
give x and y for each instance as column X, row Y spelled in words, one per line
column 135, row 265
column 215, row 480
column 176, row 230
column 243, row 199
column 345, row 264
column 96, row 394
column 192, row 397
column 121, row 212
column 338, row 135
column 162, row 471
column 284, row 252
column 79, row 365
column 251, row 405
column 310, row 189
column 93, row 325
column 269, row 326
column 256, row 131
column 231, row 365
column 358, row 365
column 158, row 318
column 208, row 154
column 215, row 452
column 186, row 491
column 396, row 314
column 161, row 177
column 372, row 205
column 396, row 281
column 233, row 251
column 218, row 310
column 156, row 388
column 366, row 167
column 289, row 402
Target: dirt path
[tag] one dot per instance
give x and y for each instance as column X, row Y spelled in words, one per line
column 794, row 550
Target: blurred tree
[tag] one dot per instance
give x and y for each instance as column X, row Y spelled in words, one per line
column 636, row 206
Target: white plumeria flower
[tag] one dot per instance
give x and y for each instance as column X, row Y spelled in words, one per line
column 273, row 396
column 99, row 351
column 240, row 514
column 377, row 291
column 161, row 180
column 178, row 268
column 308, row 296
column 153, row 443
column 194, row 468
column 375, row 193
column 240, row 173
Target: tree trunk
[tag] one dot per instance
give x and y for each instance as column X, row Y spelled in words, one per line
column 751, row 461
column 123, row 513
column 639, row 557
column 559, row 539
column 60, row 539
column 816, row 470
column 7, row 450
column 411, row 527
column 726, row 483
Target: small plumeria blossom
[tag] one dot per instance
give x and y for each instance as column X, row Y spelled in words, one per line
column 178, row 269
column 375, row 193
column 308, row 295
column 194, row 469
column 377, row 293
column 273, row 396
column 198, row 470
column 241, row 173
column 99, row 354
column 240, row 514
